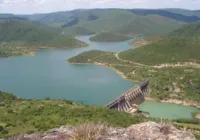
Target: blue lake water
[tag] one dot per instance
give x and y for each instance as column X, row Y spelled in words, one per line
column 48, row 74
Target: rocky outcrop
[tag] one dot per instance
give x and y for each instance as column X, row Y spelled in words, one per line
column 143, row 131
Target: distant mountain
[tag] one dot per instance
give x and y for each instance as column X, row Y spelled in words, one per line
column 120, row 21
column 6, row 17
column 185, row 12
column 171, row 15
column 182, row 45
column 150, row 25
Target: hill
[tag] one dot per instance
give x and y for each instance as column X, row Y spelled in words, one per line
column 6, row 17
column 109, row 37
column 182, row 45
column 32, row 35
column 78, row 30
column 118, row 21
column 171, row 63
column 179, row 15
column 20, row 116
column 191, row 30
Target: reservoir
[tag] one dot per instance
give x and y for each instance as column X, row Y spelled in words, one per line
column 48, row 74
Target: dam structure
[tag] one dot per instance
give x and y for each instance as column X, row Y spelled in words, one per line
column 130, row 99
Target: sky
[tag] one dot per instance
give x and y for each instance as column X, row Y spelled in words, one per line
column 46, row 6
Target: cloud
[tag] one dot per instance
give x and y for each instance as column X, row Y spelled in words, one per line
column 89, row 2
column 38, row 6
column 23, row 2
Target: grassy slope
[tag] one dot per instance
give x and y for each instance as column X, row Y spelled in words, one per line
column 182, row 45
column 20, row 116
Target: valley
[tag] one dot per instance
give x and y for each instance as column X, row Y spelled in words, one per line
column 167, row 80
column 85, row 58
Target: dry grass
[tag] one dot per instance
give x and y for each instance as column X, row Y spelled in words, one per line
column 89, row 131
column 165, row 128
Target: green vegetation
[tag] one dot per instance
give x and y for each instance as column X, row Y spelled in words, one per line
column 85, row 56
column 188, row 30
column 78, row 31
column 152, row 26
column 34, row 34
column 19, row 116
column 127, row 22
column 197, row 136
column 166, row 50
column 109, row 37
column 18, row 34
column 189, row 124
column 182, row 45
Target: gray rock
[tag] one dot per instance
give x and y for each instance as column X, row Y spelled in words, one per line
column 143, row 131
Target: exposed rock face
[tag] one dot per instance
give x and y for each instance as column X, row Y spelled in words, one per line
column 143, row 131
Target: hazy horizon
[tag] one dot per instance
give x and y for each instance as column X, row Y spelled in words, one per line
column 49, row 6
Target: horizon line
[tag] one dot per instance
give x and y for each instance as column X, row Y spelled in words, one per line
column 104, row 9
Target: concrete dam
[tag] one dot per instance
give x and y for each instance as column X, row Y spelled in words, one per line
column 130, row 99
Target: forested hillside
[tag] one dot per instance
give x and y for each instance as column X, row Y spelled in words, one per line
column 18, row 34
column 151, row 23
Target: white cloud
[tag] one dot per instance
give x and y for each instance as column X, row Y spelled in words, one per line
column 38, row 6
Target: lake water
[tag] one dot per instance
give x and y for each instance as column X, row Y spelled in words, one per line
column 49, row 75
column 166, row 110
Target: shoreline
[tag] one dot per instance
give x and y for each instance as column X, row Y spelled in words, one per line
column 121, row 74
column 171, row 101
column 140, row 43
column 32, row 51
column 174, row 101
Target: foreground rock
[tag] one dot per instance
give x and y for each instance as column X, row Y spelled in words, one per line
column 143, row 131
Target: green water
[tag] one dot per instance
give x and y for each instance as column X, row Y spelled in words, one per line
column 166, row 110
column 49, row 75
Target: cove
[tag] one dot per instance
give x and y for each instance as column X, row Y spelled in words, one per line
column 166, row 110
column 49, row 75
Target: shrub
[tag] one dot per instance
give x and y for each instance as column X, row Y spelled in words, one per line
column 89, row 131
column 165, row 128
